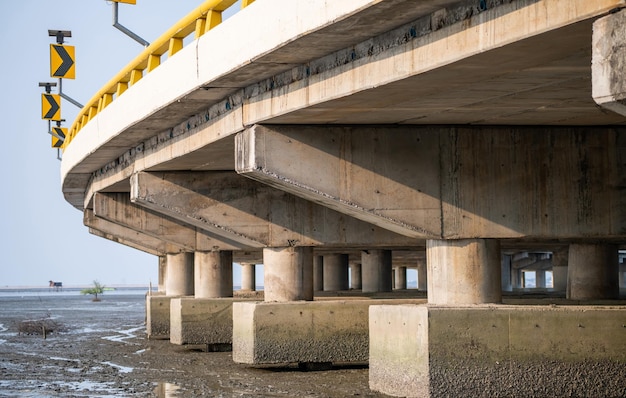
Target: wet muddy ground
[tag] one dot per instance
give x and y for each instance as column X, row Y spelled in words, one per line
column 101, row 351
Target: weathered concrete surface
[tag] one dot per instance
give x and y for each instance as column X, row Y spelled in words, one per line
column 301, row 332
column 252, row 214
column 520, row 62
column 125, row 234
column 376, row 271
column 498, row 351
column 213, row 274
column 118, row 209
column 464, row 271
column 179, row 277
column 201, row 320
column 608, row 62
column 288, row 273
column 158, row 316
column 592, row 272
column 451, row 182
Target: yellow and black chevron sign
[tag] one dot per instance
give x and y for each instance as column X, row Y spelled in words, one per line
column 51, row 106
column 126, row 1
column 58, row 136
column 62, row 62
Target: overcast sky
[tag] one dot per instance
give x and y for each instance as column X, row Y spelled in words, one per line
column 43, row 237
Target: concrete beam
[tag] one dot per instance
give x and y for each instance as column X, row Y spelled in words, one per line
column 609, row 61
column 451, row 182
column 253, row 214
column 121, row 233
column 117, row 208
column 124, row 242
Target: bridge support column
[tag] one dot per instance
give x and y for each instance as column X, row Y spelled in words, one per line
column 162, row 273
column 248, row 277
column 179, row 281
column 422, row 276
column 213, row 273
column 463, row 271
column 400, row 278
column 336, row 272
column 318, row 273
column 559, row 270
column 592, row 272
column 506, row 273
column 540, row 278
column 288, row 273
column 356, row 276
column 376, row 271
column 207, row 317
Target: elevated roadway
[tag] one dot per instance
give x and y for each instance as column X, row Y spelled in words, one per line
column 453, row 132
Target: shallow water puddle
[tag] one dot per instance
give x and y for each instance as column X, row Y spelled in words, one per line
column 167, row 390
column 120, row 368
column 123, row 335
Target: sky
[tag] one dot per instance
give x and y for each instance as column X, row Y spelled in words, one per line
column 43, row 236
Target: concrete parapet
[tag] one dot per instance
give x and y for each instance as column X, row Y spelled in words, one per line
column 201, row 320
column 497, row 350
column 158, row 316
column 303, row 332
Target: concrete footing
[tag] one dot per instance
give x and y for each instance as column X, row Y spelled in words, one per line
column 303, row 332
column 497, row 350
column 158, row 316
column 201, row 321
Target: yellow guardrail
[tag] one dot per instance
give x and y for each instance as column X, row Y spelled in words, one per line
column 204, row 18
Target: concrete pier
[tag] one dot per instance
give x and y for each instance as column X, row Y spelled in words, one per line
column 489, row 351
column 180, row 274
column 179, row 281
column 318, row 273
column 376, row 271
column 213, row 273
column 422, row 275
column 464, row 271
column 336, row 272
column 326, row 331
column 400, row 278
column 592, row 272
column 288, row 273
column 248, row 277
column 559, row 270
column 356, row 279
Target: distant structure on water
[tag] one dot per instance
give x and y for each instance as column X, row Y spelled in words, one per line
column 56, row 285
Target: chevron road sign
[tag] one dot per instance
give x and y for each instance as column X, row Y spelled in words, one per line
column 62, row 62
column 51, row 106
column 58, row 136
column 126, row 1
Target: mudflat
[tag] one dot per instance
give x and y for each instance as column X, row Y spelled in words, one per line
column 100, row 349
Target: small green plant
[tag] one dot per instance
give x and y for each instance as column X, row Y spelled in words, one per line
column 95, row 290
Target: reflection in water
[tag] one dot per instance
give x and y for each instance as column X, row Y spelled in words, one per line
column 166, row 390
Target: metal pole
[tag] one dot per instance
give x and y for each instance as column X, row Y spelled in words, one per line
column 67, row 97
column 124, row 30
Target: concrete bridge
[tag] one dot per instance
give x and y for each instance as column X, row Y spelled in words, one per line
column 318, row 138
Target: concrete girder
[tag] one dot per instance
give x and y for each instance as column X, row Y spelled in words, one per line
column 252, row 213
column 451, row 182
column 608, row 62
column 117, row 208
column 124, row 235
column 124, row 242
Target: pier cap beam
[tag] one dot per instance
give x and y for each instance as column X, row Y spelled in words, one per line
column 451, row 182
column 250, row 213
